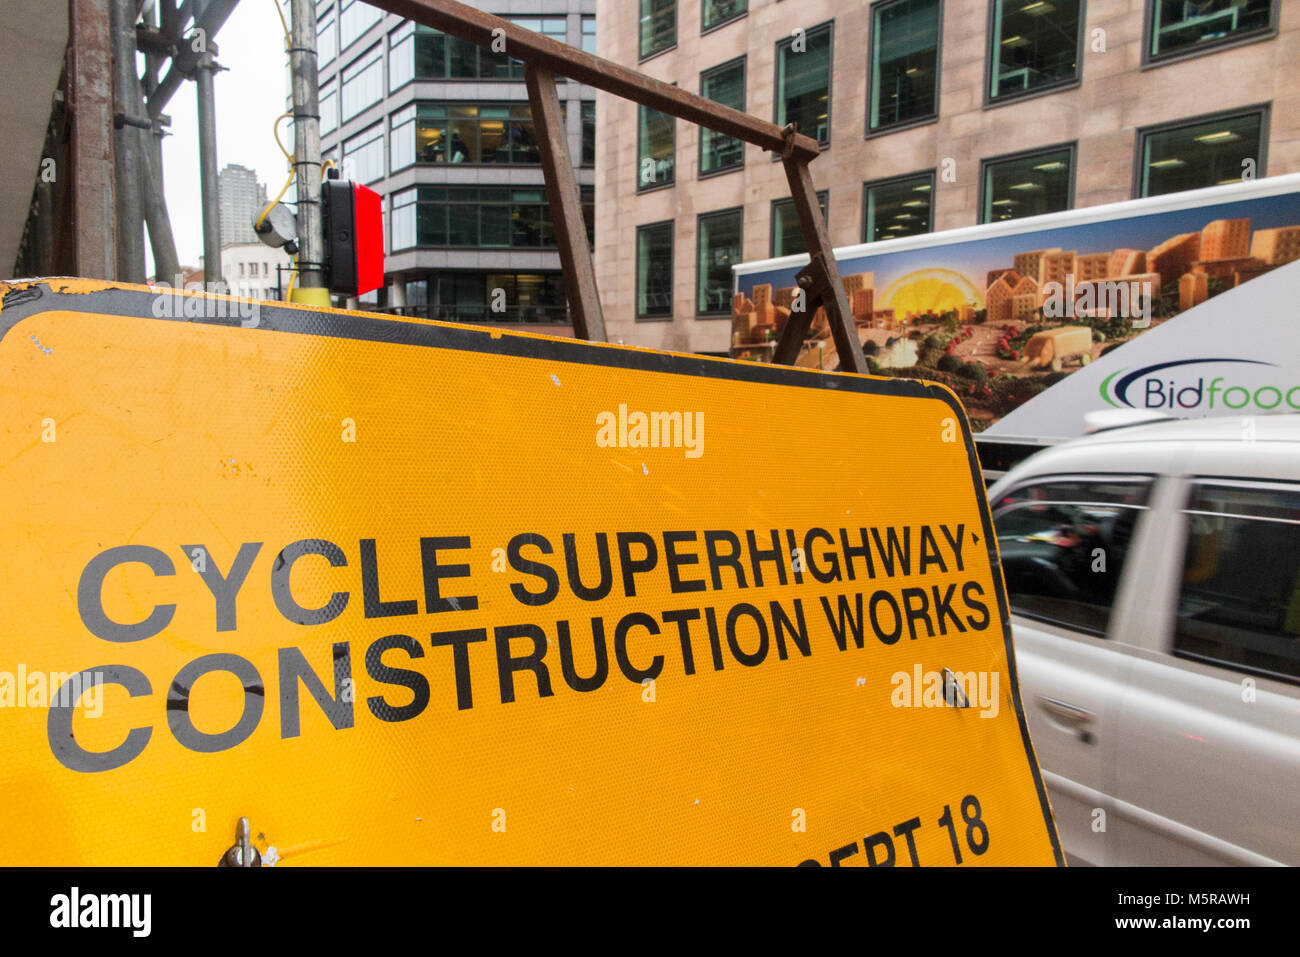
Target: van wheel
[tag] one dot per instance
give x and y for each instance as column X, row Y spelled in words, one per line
column 1085, row 358
column 1056, row 363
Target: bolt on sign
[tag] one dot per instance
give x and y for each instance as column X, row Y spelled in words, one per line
column 408, row 592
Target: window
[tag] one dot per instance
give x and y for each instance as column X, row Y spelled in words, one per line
column 1239, row 604
column 658, row 26
column 1180, row 27
column 787, row 234
column 327, row 45
column 437, row 56
column 716, row 12
column 1033, row 45
column 654, row 271
column 803, row 83
column 355, row 18
column 1028, row 184
column 718, row 250
column 329, row 109
column 656, row 148
column 1049, row 535
column 471, row 297
column 363, row 82
column 588, row 133
column 478, row 217
column 363, row 155
column 897, row 207
column 589, row 35
column 464, row 133
column 401, row 56
column 726, row 85
column 904, row 62
column 1200, row 153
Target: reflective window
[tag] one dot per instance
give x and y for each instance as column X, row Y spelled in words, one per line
column 1189, row 26
column 897, row 207
column 904, row 62
column 1027, row 185
column 589, row 35
column 464, row 133
column 718, row 238
column 483, row 216
column 329, row 109
column 1239, row 603
column 1033, row 45
column 714, row 12
column 363, row 82
column 658, row 26
column 787, row 234
column 327, row 40
column 656, row 148
column 654, row 271
column 803, row 82
column 363, row 155
column 355, row 18
column 1063, row 545
column 1204, row 153
column 726, row 85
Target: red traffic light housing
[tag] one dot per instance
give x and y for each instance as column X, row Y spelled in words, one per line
column 354, row 237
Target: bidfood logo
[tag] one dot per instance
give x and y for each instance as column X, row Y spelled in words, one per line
column 1182, row 386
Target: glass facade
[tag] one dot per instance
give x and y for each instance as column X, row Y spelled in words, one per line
column 363, row 82
column 904, row 62
column 363, row 155
column 803, row 82
column 726, row 85
column 656, row 148
column 654, row 271
column 718, row 237
column 489, row 217
column 1033, row 45
column 1198, row 154
column 897, row 207
column 1027, row 185
column 464, row 296
column 422, row 53
column 355, row 18
column 787, row 234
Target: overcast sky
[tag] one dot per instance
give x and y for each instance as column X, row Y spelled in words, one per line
column 250, row 94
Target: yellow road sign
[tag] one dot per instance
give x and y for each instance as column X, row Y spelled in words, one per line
column 406, row 592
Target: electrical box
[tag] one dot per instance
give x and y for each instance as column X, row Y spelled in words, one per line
column 354, row 237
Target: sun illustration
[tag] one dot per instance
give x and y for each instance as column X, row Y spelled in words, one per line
column 930, row 290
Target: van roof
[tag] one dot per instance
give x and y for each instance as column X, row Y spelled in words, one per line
column 1283, row 427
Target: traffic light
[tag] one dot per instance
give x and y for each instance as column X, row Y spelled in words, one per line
column 354, row 237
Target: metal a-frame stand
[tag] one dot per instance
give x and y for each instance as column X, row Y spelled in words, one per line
column 543, row 60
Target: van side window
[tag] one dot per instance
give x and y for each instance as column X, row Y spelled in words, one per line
column 1063, row 543
column 1239, row 604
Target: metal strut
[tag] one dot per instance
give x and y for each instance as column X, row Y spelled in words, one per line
column 544, row 59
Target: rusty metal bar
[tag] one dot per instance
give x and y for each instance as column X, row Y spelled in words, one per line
column 544, row 59
column 475, row 26
column 90, row 104
column 822, row 274
column 566, row 205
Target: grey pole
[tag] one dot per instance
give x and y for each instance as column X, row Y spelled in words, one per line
column 166, row 264
column 126, row 145
column 306, row 144
column 203, row 72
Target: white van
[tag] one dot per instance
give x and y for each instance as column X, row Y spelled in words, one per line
column 1153, row 574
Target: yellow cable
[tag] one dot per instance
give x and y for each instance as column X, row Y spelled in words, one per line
column 275, row 130
column 324, row 166
column 284, row 23
column 292, row 278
